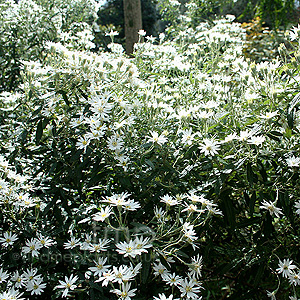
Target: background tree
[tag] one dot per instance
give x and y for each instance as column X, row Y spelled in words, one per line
column 274, row 13
column 132, row 22
column 27, row 26
column 112, row 14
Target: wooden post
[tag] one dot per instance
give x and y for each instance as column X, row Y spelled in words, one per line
column 133, row 23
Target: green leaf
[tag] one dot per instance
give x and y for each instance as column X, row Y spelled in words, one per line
column 275, row 135
column 252, row 203
column 53, row 167
column 95, row 286
column 54, row 132
column 247, row 222
column 146, row 262
column 124, row 181
column 182, row 254
column 262, row 171
column 217, row 185
column 268, row 227
column 149, row 163
column 149, row 179
column 288, row 132
column 247, row 198
column 39, row 132
column 64, row 95
column 30, row 94
column 49, row 206
column 294, row 103
column 58, row 216
column 23, row 136
column 227, row 208
column 285, row 203
column 250, row 174
column 37, row 111
column 290, row 119
column 76, row 155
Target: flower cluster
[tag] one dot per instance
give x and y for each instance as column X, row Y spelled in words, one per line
column 153, row 176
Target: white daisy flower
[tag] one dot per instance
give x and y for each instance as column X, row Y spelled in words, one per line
column 155, row 138
column 67, row 285
column 285, row 268
column 103, row 214
column 293, row 161
column 209, row 147
column 33, row 246
column 270, row 206
column 8, row 239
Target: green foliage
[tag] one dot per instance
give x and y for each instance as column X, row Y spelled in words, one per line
column 185, row 155
column 69, row 12
column 275, row 13
column 111, row 15
column 202, row 11
column 25, row 28
column 262, row 44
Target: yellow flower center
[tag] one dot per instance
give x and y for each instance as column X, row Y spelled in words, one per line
column 188, row 289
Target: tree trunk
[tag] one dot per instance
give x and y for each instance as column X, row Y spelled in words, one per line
column 133, row 22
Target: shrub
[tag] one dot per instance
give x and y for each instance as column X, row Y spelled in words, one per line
column 262, row 43
column 26, row 26
column 171, row 174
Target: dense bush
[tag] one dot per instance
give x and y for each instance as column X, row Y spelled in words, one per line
column 111, row 15
column 276, row 14
column 170, row 175
column 262, row 43
column 25, row 26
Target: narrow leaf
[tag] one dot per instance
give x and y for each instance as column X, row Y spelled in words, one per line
column 39, row 132
column 294, row 102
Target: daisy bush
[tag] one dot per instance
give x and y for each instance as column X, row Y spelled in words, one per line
column 27, row 24
column 173, row 174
